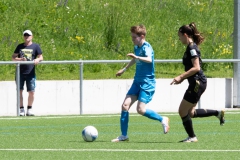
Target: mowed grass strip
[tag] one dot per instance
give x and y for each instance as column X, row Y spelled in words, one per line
column 60, row 138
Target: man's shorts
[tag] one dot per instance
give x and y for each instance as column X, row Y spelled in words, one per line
column 194, row 91
column 30, row 82
column 143, row 90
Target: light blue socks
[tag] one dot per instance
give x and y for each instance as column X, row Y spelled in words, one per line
column 125, row 118
column 152, row 115
column 124, row 122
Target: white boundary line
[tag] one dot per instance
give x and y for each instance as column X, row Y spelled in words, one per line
column 69, row 116
column 119, row 150
column 87, row 116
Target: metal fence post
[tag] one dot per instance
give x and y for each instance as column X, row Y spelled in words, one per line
column 81, row 88
column 236, row 55
column 18, row 87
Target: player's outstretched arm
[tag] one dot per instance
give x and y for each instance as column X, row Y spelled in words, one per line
column 121, row 71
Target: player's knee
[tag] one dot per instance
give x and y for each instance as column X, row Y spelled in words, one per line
column 182, row 112
column 31, row 94
column 125, row 107
column 191, row 114
column 140, row 111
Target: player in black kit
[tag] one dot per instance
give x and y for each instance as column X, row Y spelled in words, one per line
column 192, row 38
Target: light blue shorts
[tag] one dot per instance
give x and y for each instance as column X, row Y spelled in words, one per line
column 143, row 90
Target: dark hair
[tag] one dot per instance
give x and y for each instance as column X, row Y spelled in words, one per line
column 191, row 31
column 139, row 30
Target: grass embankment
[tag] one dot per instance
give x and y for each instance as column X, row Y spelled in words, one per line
column 99, row 30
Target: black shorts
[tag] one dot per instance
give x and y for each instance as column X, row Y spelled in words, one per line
column 194, row 91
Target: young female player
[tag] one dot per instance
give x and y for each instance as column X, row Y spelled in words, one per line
column 143, row 86
column 191, row 38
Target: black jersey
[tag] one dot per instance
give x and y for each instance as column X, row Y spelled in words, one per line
column 191, row 52
column 30, row 53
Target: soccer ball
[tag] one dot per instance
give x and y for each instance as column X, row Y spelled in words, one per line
column 89, row 134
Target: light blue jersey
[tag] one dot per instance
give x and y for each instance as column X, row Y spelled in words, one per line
column 144, row 80
column 144, row 70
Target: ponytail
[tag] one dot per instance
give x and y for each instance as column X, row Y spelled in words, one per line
column 191, row 31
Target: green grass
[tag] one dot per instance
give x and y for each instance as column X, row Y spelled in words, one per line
column 59, row 137
column 99, row 30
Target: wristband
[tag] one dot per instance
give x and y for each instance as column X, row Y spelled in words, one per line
column 124, row 69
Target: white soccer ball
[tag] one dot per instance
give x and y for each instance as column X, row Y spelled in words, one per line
column 89, row 134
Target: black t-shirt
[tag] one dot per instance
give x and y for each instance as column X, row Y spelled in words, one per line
column 191, row 52
column 30, row 53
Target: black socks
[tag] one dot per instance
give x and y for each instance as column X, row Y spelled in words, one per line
column 187, row 123
column 204, row 113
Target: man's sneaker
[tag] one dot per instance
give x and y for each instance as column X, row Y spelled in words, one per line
column 165, row 125
column 22, row 112
column 29, row 112
column 190, row 139
column 221, row 117
column 121, row 138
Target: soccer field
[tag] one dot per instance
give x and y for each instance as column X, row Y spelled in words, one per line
column 59, row 137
